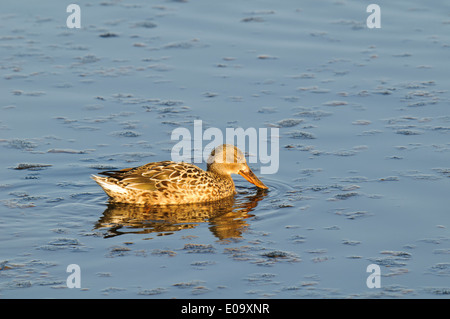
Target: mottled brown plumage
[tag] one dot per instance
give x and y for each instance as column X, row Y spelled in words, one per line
column 167, row 182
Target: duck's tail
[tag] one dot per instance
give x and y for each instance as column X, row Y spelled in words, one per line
column 109, row 186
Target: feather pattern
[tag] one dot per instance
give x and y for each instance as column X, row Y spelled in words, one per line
column 168, row 182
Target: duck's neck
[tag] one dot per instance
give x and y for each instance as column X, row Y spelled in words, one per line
column 216, row 168
column 222, row 178
column 226, row 184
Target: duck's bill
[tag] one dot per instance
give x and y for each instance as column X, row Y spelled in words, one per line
column 251, row 177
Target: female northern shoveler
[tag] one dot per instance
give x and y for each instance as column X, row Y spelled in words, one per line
column 167, row 182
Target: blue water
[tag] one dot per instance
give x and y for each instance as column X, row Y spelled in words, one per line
column 364, row 168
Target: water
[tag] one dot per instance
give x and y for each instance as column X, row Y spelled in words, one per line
column 364, row 148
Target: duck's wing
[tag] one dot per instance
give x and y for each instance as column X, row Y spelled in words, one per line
column 158, row 176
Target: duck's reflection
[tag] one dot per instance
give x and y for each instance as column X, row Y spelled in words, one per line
column 227, row 218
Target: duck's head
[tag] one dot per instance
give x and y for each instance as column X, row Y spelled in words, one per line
column 227, row 159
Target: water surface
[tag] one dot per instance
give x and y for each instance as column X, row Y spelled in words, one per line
column 363, row 132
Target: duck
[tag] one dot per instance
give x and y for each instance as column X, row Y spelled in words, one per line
column 175, row 183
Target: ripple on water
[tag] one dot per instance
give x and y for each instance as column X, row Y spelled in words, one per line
column 440, row 269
